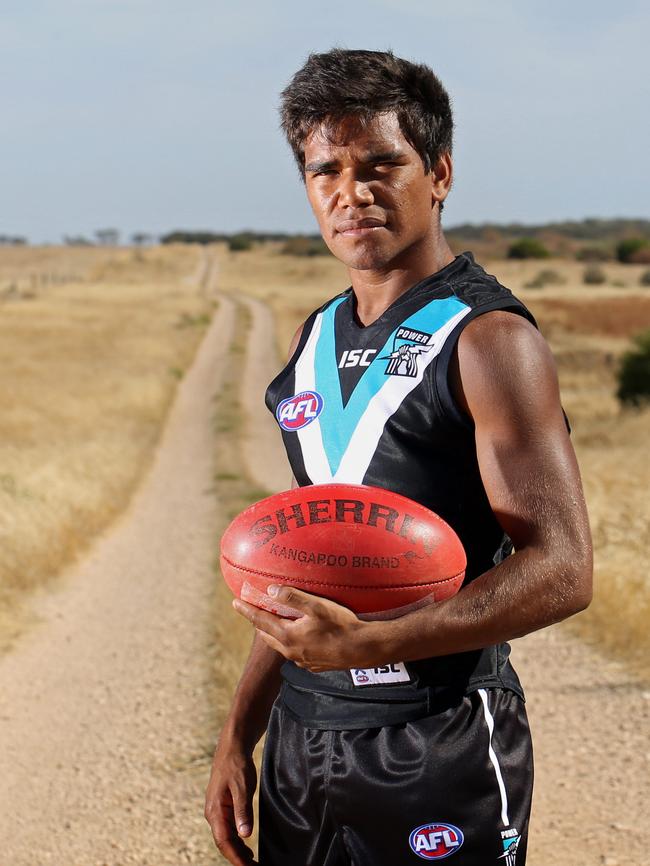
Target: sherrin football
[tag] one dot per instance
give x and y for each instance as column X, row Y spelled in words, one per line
column 374, row 551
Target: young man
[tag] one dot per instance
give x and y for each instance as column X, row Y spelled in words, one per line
column 438, row 386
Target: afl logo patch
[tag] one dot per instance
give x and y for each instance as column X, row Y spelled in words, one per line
column 436, row 841
column 298, row 411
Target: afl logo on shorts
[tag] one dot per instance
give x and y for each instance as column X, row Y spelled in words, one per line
column 298, row 411
column 436, row 841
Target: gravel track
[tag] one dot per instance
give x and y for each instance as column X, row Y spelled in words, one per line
column 105, row 714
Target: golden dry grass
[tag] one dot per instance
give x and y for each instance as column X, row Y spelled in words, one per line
column 588, row 328
column 92, row 345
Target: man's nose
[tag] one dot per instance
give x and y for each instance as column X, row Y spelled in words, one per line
column 354, row 192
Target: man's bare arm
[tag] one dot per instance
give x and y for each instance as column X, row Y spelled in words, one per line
column 507, row 382
column 233, row 778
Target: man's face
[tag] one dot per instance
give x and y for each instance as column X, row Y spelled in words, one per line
column 369, row 192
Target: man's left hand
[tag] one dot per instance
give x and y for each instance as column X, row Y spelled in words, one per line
column 327, row 636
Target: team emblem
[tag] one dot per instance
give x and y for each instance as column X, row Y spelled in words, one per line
column 510, row 839
column 298, row 411
column 436, row 841
column 408, row 346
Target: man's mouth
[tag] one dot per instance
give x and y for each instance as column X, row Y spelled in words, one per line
column 360, row 227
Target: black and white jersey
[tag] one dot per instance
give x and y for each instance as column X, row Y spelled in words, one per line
column 372, row 405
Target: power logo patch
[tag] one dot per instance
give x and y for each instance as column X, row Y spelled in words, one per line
column 510, row 839
column 408, row 345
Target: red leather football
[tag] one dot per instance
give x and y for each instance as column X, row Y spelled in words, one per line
column 374, row 551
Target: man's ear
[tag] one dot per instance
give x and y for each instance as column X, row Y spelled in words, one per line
column 441, row 178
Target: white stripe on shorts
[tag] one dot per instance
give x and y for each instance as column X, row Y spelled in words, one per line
column 493, row 758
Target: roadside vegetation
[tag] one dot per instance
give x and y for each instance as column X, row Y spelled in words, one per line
column 93, row 343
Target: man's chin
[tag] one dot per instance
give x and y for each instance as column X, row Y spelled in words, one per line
column 363, row 258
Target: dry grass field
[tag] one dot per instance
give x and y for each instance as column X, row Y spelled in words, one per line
column 588, row 327
column 92, row 344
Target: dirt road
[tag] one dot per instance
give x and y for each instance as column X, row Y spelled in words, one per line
column 106, row 705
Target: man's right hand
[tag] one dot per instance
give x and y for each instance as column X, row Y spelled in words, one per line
column 229, row 801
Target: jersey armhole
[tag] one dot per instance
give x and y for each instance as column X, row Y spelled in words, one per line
column 443, row 392
column 287, row 370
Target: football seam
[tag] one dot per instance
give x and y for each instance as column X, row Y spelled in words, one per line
column 335, row 487
column 342, row 585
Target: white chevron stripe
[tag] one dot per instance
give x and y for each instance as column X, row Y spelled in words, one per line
column 310, row 437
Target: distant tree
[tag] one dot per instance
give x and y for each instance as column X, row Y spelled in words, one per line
column 141, row 238
column 77, row 241
column 108, row 237
column 594, row 276
column 634, row 373
column 240, row 243
column 12, row 241
column 305, row 245
column 633, row 251
column 181, row 236
column 528, row 248
column 594, row 254
column 546, row 277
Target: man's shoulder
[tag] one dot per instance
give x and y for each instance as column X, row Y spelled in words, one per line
column 504, row 331
column 476, row 287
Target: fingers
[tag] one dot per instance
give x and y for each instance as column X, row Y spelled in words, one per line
column 243, row 810
column 286, row 598
column 261, row 619
column 273, row 643
column 234, row 850
column 296, row 598
column 222, row 823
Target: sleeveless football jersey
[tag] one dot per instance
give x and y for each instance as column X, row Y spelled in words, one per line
column 372, row 405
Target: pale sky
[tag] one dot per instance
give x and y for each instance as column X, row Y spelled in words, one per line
column 153, row 115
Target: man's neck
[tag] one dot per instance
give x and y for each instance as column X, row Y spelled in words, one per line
column 376, row 290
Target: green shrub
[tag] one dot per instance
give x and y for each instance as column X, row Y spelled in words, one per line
column 546, row 277
column 634, row 373
column 528, row 248
column 594, row 254
column 644, row 279
column 633, row 251
column 594, row 276
column 240, row 243
column 300, row 245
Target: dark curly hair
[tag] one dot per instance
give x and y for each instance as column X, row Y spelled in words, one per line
column 341, row 83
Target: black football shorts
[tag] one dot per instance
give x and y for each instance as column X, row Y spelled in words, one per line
column 455, row 785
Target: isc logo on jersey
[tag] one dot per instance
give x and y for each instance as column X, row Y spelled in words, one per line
column 357, row 358
column 436, row 841
column 298, row 411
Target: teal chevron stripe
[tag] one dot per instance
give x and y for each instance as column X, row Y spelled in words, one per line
column 338, row 422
